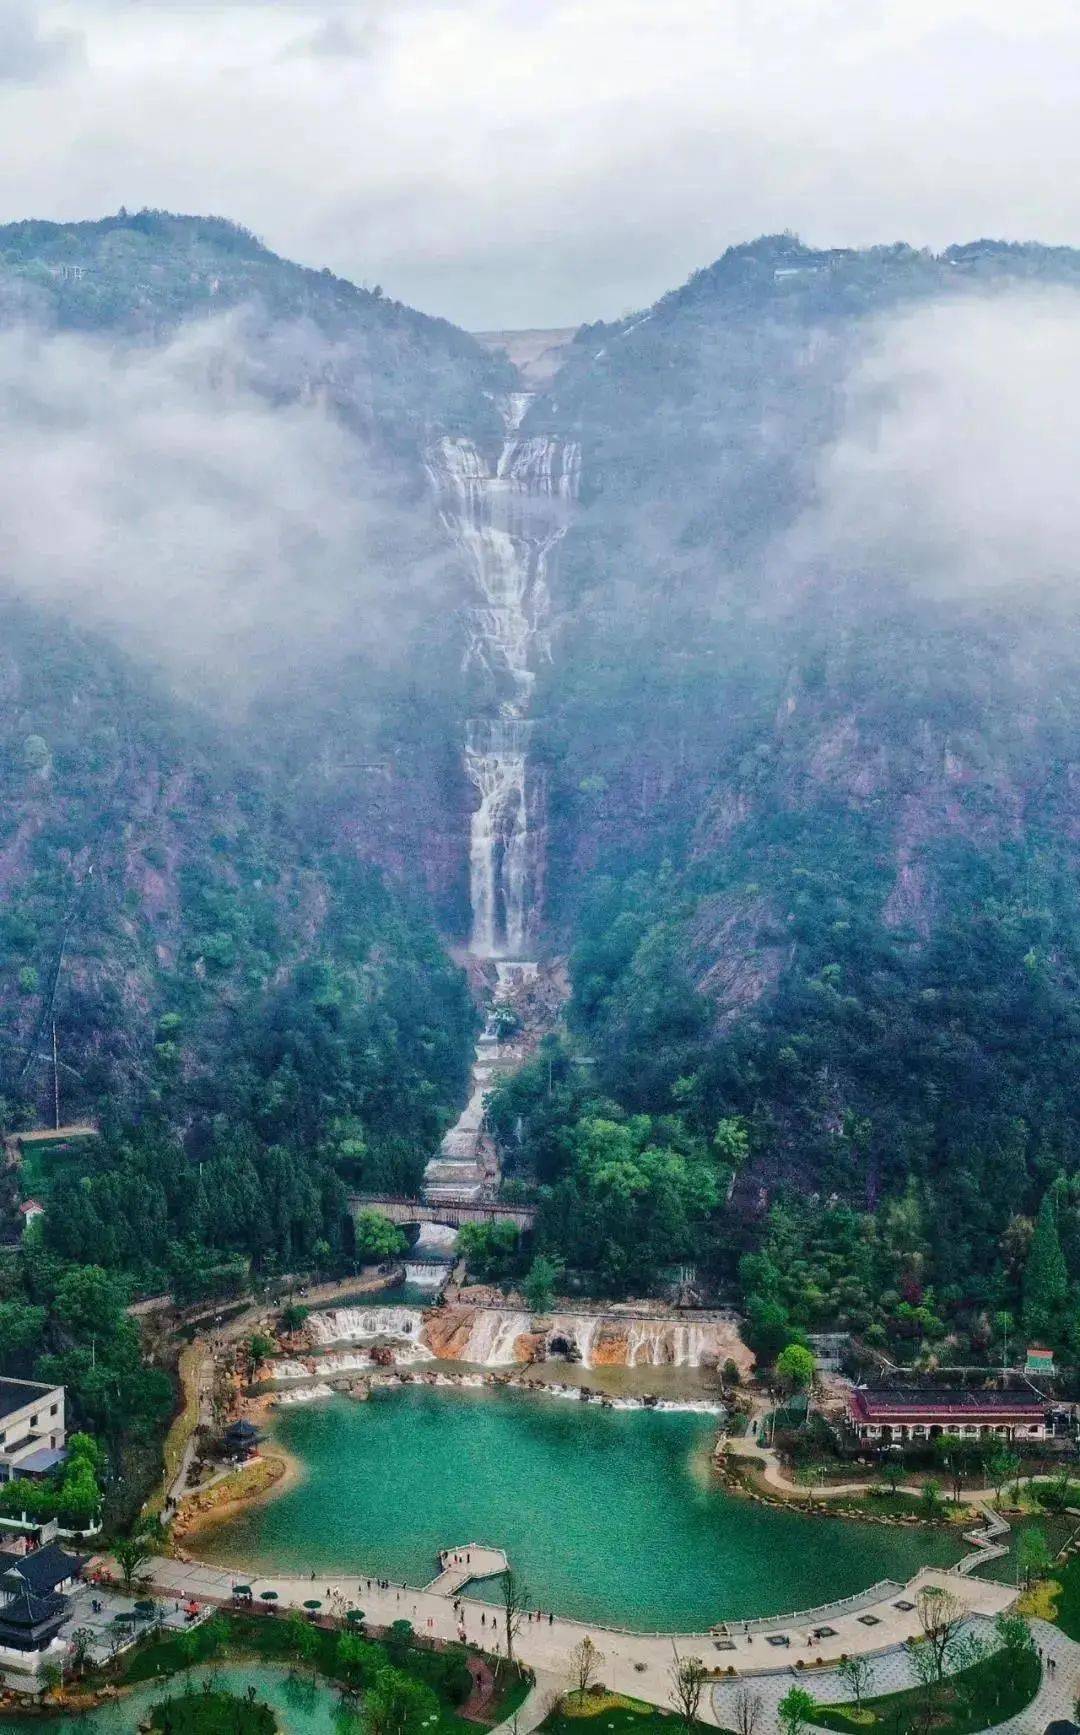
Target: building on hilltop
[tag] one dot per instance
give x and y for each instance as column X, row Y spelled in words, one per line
column 886, row 1418
column 32, row 1428
column 30, row 1211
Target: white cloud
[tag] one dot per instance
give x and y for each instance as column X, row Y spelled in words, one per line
column 955, row 471
column 541, row 161
column 32, row 52
column 154, row 495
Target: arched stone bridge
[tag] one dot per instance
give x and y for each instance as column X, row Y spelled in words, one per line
column 402, row 1211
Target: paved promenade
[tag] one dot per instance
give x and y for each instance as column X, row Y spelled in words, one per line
column 892, row 1673
column 635, row 1663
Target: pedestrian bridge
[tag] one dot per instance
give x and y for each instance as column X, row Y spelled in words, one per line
column 403, row 1211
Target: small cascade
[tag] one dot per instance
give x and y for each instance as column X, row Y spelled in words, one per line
column 669, row 1343
column 492, row 1341
column 344, row 1362
column 573, row 1337
column 304, row 1394
column 426, row 1276
column 356, row 1324
column 288, row 1370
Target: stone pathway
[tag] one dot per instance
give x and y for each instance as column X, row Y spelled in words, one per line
column 1057, row 1695
column 892, row 1673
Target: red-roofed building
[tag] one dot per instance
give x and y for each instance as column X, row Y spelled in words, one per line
column 30, row 1211
column 888, row 1418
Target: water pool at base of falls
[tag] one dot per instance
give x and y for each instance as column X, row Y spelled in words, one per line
column 608, row 1515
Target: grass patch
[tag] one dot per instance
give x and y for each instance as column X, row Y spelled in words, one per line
column 44, row 1162
column 1067, row 1577
column 202, row 1713
column 1057, row 1531
column 183, row 1425
column 579, row 1705
column 998, row 1687
column 619, row 1715
column 1040, row 1601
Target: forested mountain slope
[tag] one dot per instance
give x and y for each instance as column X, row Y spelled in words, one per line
column 813, row 741
column 200, row 786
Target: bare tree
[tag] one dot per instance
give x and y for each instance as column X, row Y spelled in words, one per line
column 857, row 1672
column 515, row 1598
column 586, row 1662
column 749, row 1708
column 941, row 1616
column 687, row 1676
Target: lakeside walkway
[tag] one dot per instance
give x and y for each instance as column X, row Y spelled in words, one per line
column 891, row 1672
column 634, row 1663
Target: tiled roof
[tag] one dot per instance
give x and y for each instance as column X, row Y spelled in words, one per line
column 939, row 1406
column 42, row 1569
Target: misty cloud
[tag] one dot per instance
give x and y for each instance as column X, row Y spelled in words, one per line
column 31, row 53
column 955, row 470
column 338, row 38
column 157, row 496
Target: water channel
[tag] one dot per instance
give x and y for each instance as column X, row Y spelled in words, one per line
column 612, row 1516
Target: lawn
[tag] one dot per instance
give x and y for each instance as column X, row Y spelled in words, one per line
column 211, row 1714
column 46, row 1161
column 1067, row 1616
column 612, row 1714
column 1057, row 1531
column 975, row 1699
column 183, row 1425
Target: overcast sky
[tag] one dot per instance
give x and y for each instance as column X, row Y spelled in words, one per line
column 540, row 162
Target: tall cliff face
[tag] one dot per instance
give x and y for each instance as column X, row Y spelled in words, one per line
column 811, row 823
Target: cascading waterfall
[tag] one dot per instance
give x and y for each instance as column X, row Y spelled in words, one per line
column 507, row 519
column 492, row 1340
column 653, row 1343
column 355, row 1324
column 493, row 1337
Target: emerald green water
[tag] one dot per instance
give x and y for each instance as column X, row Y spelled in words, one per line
column 609, row 1515
column 302, row 1707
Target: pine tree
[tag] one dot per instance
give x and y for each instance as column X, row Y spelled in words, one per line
column 1046, row 1283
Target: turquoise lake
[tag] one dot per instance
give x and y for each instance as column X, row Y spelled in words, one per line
column 608, row 1515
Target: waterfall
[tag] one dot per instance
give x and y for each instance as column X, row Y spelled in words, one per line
column 507, row 519
column 492, row 1339
column 668, row 1343
column 426, row 1276
column 574, row 1336
column 354, row 1324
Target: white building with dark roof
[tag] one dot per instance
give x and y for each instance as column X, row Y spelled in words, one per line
column 32, row 1428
